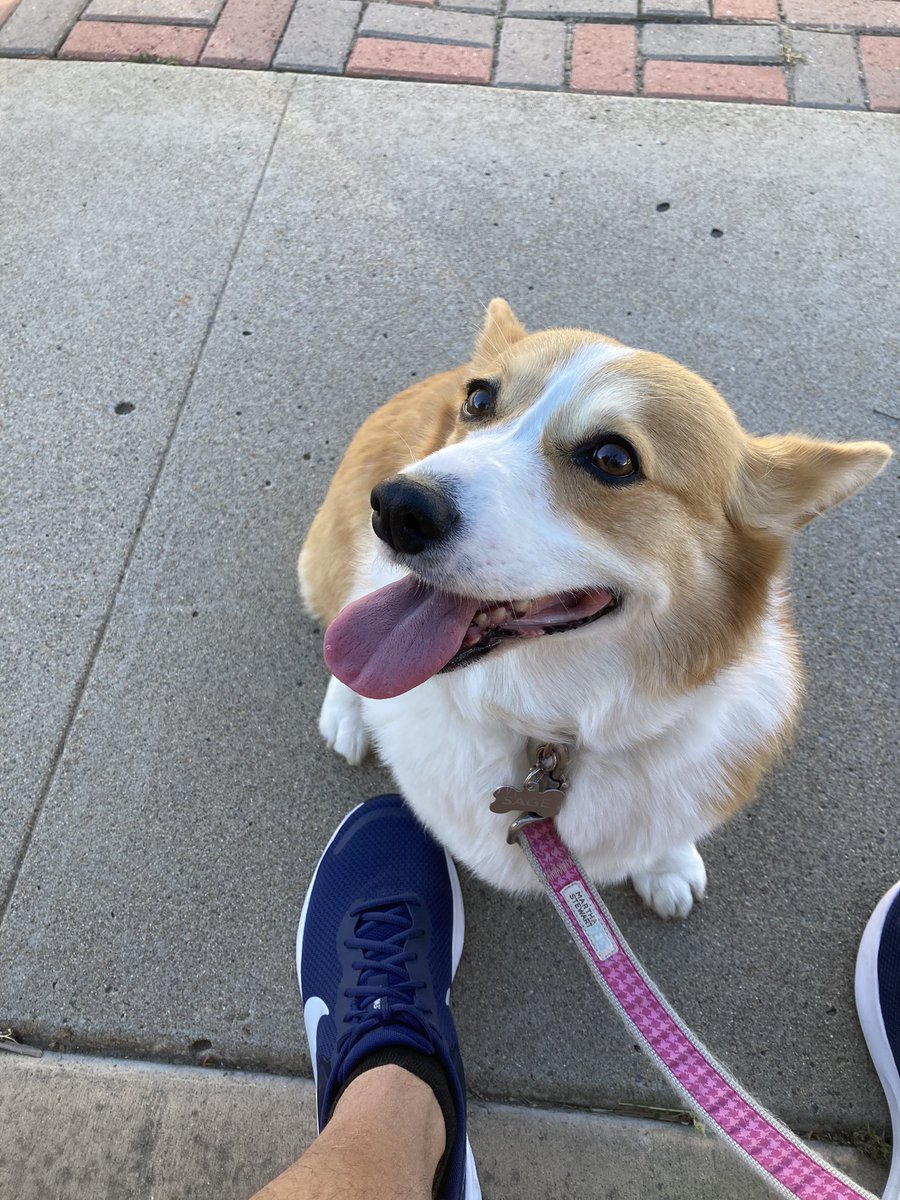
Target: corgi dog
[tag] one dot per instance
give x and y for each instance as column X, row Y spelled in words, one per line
column 571, row 540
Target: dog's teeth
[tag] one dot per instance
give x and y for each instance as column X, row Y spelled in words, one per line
column 481, row 619
column 472, row 638
column 521, row 607
column 498, row 614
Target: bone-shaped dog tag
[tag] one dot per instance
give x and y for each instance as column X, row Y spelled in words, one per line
column 545, row 804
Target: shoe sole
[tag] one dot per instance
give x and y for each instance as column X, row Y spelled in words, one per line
column 868, row 1007
column 472, row 1186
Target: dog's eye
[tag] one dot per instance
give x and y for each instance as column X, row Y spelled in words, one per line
column 479, row 401
column 613, row 460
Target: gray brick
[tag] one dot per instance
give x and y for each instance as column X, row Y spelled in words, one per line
column 427, row 25
column 171, row 12
column 38, row 26
column 828, row 75
column 532, row 54
column 318, row 36
column 675, row 8
column 712, row 43
column 571, row 8
column 485, row 6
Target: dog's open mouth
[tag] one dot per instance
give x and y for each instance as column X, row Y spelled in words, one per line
column 394, row 639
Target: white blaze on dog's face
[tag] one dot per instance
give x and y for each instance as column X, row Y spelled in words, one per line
column 532, row 419
column 593, row 490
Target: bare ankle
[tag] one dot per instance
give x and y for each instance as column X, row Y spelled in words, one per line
column 396, row 1099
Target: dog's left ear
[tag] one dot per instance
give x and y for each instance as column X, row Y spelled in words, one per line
column 500, row 330
column 786, row 481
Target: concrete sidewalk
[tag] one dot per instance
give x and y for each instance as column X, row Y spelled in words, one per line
column 186, row 1134
column 208, row 279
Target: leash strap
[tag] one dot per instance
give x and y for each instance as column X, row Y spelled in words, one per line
column 786, row 1163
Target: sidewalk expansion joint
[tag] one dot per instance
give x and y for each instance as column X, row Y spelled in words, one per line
column 100, row 636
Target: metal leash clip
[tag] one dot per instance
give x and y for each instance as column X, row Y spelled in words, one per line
column 541, row 795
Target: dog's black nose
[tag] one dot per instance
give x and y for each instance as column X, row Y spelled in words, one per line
column 411, row 516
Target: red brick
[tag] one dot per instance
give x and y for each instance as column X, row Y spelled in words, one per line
column 420, row 60
column 247, row 33
column 125, row 39
column 603, row 58
column 881, row 66
column 715, row 81
column 874, row 15
column 6, row 8
column 745, row 10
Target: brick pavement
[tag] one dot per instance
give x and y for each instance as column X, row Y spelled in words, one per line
column 816, row 53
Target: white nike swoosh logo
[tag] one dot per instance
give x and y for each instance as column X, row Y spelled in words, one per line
column 314, row 1010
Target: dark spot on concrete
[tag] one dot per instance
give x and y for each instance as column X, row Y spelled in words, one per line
column 716, row 233
column 663, row 206
column 200, row 1045
column 267, row 482
column 122, row 408
column 246, row 332
column 306, row 457
column 195, row 612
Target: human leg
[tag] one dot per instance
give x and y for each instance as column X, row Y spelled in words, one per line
column 380, row 937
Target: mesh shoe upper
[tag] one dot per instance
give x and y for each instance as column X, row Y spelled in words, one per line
column 378, row 944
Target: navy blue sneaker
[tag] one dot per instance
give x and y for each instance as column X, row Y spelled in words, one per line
column 878, row 1005
column 380, row 938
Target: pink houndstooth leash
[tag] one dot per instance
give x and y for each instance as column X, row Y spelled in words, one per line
column 788, row 1166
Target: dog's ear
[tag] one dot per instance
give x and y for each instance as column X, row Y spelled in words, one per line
column 786, row 481
column 500, row 330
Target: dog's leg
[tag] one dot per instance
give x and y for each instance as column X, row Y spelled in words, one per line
column 341, row 723
column 673, row 882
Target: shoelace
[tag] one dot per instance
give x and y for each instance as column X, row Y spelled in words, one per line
column 378, row 999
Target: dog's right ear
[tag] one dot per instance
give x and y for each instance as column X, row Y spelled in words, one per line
column 500, row 330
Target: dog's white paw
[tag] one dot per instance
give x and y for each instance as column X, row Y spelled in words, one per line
column 341, row 723
column 675, row 881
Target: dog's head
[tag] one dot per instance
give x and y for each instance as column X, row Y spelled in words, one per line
column 593, row 491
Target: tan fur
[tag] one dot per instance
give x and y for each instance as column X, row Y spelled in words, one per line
column 786, row 481
column 416, row 422
column 691, row 450
column 741, row 778
column 712, row 496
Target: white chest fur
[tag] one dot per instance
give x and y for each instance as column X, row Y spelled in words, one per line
column 646, row 773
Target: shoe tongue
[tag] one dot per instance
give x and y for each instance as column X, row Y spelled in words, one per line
column 394, row 639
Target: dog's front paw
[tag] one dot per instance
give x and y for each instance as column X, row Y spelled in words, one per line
column 674, row 882
column 341, row 723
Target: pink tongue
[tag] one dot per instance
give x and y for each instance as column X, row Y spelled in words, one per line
column 396, row 638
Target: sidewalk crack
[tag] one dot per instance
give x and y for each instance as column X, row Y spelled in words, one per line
column 100, row 636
